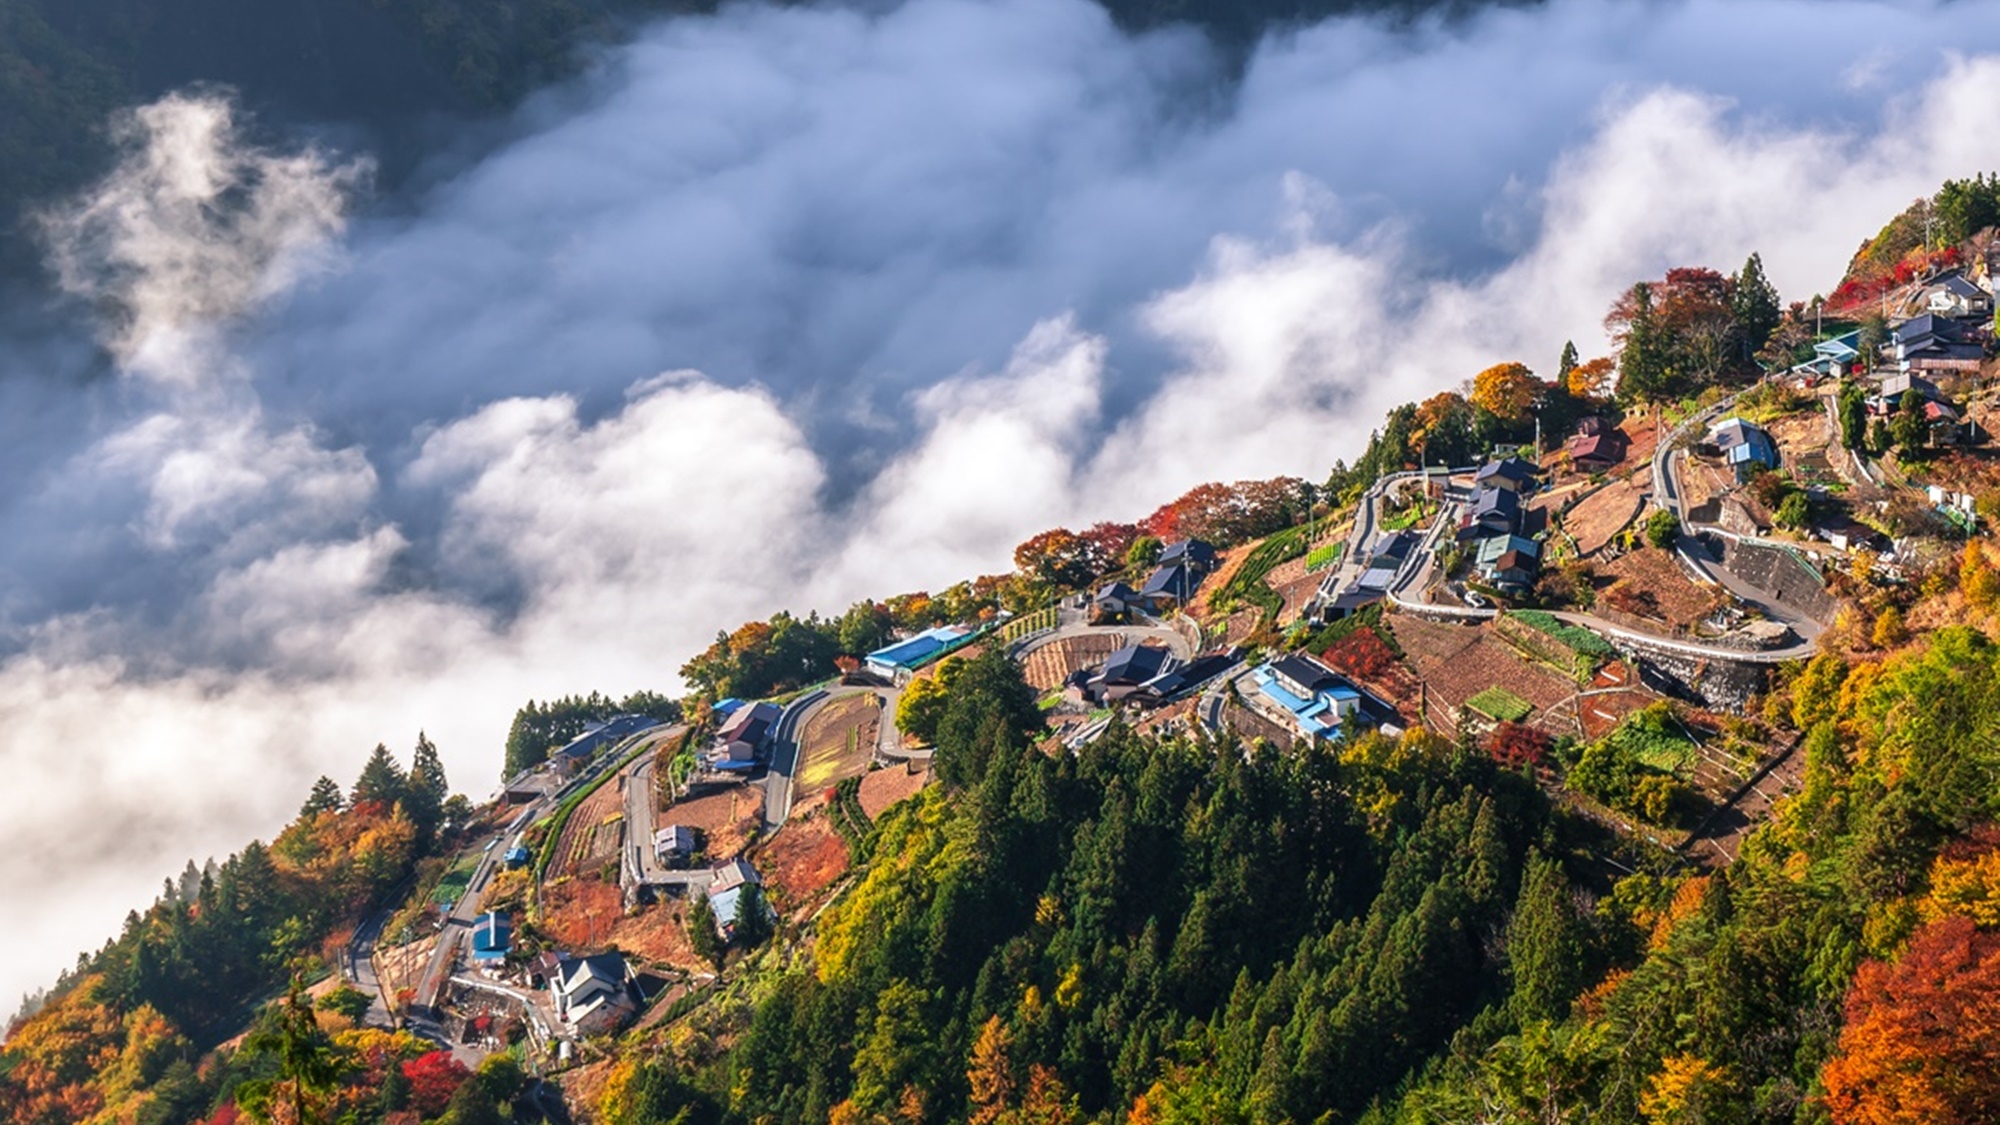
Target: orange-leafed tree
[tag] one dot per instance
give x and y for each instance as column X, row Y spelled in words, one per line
column 991, row 1072
column 1058, row 556
column 1921, row 1045
column 1593, row 378
column 1507, row 391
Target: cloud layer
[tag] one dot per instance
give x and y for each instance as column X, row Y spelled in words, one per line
column 785, row 307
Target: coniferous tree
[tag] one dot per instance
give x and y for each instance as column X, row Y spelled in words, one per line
column 325, row 797
column 752, row 923
column 1547, row 946
column 1753, row 300
column 427, row 791
column 701, row 931
column 382, row 780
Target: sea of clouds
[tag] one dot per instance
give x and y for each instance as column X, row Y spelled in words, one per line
column 784, row 307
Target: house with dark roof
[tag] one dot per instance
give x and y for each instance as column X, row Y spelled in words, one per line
column 1494, row 511
column 1935, row 343
column 1746, row 447
column 1596, row 446
column 1391, row 549
column 1953, row 296
column 1321, row 702
column 1181, row 567
column 593, row 994
column 1128, row 670
column 1113, row 602
column 1511, row 474
column 517, row 856
column 741, row 739
column 1194, row 552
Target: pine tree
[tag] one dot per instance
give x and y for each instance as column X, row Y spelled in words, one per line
column 1754, row 303
column 701, row 931
column 752, row 923
column 308, row 1069
column 1567, row 364
column 1546, row 947
column 427, row 790
column 382, row 780
column 325, row 797
column 1642, row 363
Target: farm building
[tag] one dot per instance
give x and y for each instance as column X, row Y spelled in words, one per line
column 906, row 656
column 492, row 937
column 608, row 733
column 674, row 844
column 1746, row 447
column 742, row 737
column 727, row 890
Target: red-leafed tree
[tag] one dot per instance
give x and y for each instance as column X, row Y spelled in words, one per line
column 1227, row 514
column 1921, row 1045
column 434, row 1078
column 1058, row 556
column 1515, row 745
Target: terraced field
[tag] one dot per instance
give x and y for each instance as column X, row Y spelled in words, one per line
column 1458, row 662
column 594, row 833
column 839, row 742
column 1048, row 666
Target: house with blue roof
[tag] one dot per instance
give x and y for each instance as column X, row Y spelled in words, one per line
column 492, row 937
column 517, row 856
column 1321, row 702
column 1746, row 447
column 909, row 654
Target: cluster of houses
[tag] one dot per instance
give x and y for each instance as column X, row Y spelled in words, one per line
column 583, row 995
column 1145, row 675
column 1496, row 526
column 1176, row 575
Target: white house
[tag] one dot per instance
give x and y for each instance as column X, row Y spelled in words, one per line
column 591, row 995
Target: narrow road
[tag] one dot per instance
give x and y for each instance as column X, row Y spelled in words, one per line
column 785, row 758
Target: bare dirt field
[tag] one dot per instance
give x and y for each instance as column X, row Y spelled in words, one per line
column 658, row 934
column 594, row 833
column 839, row 741
column 580, row 913
column 1048, row 666
column 1600, row 713
column 1457, row 662
column 885, row 787
column 802, row 862
column 1225, row 569
column 1294, row 587
column 1648, row 584
column 1606, row 512
column 726, row 814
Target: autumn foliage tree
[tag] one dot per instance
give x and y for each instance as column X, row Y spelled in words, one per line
column 1508, row 391
column 1921, row 1044
column 1592, row 379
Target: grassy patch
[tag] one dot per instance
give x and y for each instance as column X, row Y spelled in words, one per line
column 1575, row 636
column 1500, row 704
column 1322, row 557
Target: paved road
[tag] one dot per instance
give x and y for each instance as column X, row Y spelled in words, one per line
column 458, row 924
column 361, row 970
column 785, row 757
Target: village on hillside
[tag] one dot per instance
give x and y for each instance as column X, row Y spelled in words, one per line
column 1594, row 588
